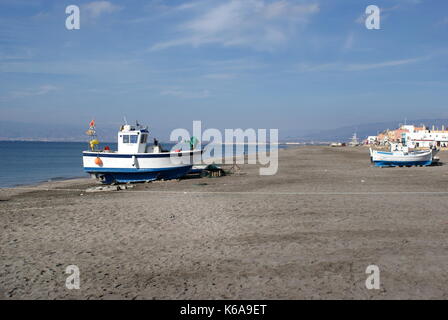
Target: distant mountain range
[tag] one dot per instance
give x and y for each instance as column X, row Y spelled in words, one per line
column 57, row 132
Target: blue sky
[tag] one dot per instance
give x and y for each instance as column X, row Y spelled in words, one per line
column 287, row 64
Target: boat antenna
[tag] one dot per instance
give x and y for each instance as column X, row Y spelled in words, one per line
column 125, row 121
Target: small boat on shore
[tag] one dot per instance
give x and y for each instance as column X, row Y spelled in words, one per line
column 400, row 156
column 337, row 144
column 135, row 161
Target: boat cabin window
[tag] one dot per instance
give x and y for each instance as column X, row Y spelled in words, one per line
column 130, row 138
column 143, row 138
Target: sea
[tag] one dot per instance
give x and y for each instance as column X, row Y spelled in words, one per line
column 33, row 162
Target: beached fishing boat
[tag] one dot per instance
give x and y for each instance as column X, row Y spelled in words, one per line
column 400, row 156
column 135, row 160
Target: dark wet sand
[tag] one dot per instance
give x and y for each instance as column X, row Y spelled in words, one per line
column 308, row 232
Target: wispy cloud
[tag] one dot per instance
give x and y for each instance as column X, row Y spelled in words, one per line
column 41, row 15
column 98, row 8
column 356, row 66
column 42, row 90
column 20, row 3
column 385, row 64
column 444, row 21
column 219, row 76
column 158, row 9
column 24, row 54
column 251, row 23
column 349, row 41
column 414, row 2
column 184, row 94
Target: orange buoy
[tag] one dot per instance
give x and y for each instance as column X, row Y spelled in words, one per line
column 98, row 161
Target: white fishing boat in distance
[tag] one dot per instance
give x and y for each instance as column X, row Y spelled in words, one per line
column 135, row 160
column 401, row 157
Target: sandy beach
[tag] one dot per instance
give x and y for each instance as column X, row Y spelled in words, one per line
column 308, row 232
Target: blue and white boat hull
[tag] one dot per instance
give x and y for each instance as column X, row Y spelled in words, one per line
column 110, row 167
column 401, row 159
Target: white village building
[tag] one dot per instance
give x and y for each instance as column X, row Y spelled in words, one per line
column 425, row 137
column 371, row 139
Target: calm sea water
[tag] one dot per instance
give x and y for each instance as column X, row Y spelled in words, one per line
column 24, row 163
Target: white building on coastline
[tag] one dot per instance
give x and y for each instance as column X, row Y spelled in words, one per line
column 371, row 140
column 426, row 138
column 415, row 137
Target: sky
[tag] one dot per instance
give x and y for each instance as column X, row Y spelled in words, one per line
column 295, row 65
